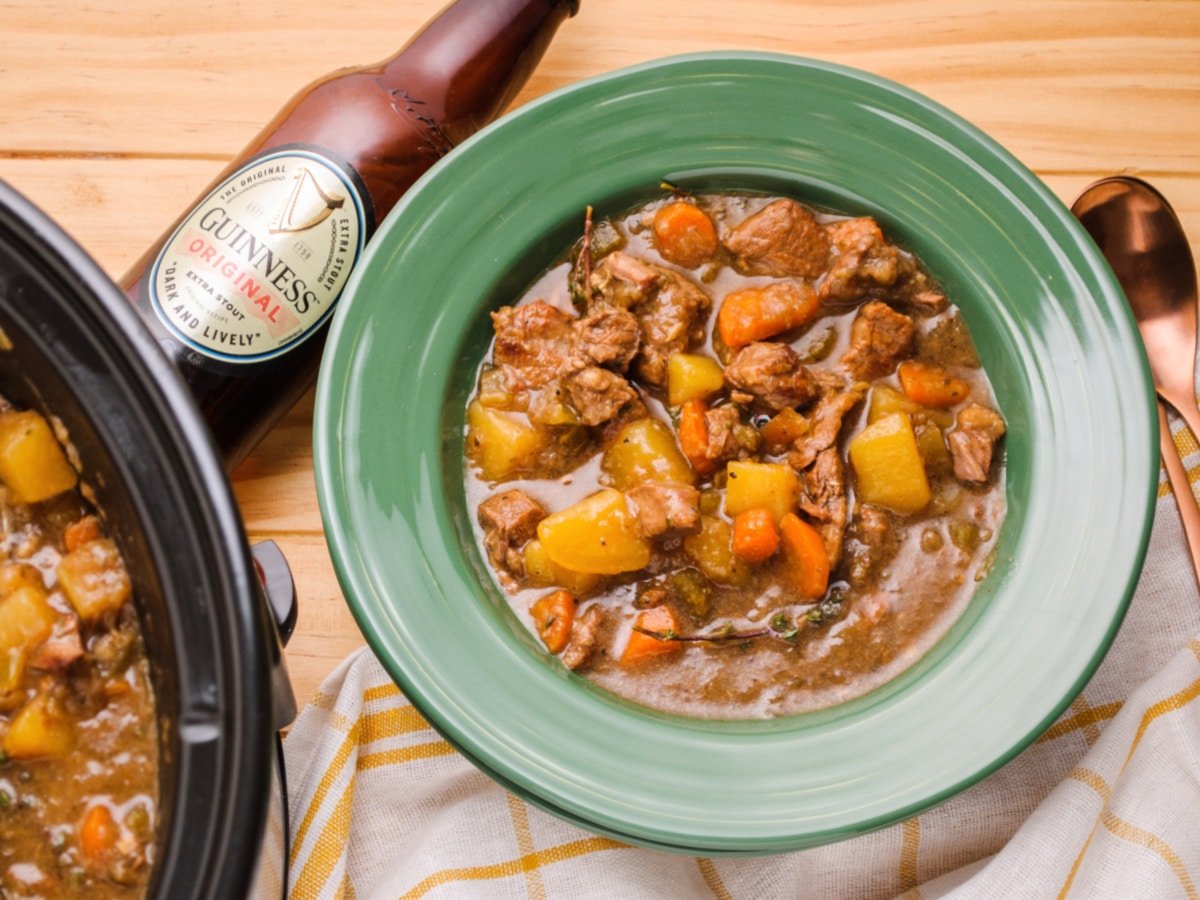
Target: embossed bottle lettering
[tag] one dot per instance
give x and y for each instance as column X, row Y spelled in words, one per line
column 240, row 290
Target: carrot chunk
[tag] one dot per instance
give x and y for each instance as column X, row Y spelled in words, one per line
column 684, row 233
column 931, row 385
column 783, row 429
column 81, row 531
column 99, row 833
column 553, row 616
column 757, row 313
column 658, row 621
column 755, row 535
column 808, row 560
column 693, row 436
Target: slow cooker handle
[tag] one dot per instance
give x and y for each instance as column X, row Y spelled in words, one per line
column 280, row 591
column 276, row 578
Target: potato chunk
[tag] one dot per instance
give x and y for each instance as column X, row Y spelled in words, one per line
column 94, row 579
column 645, row 450
column 26, row 619
column 598, row 535
column 12, row 671
column 754, row 485
column 32, row 463
column 711, row 549
column 501, row 443
column 690, row 376
column 19, row 574
column 542, row 570
column 886, row 401
column 41, row 728
column 888, row 463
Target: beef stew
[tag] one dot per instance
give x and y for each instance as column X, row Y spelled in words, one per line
column 733, row 457
column 78, row 737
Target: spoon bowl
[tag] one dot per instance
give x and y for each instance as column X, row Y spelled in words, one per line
column 1144, row 242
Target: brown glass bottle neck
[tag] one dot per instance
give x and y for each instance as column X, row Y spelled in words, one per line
column 470, row 61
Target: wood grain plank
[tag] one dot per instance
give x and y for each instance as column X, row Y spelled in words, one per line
column 275, row 486
column 115, row 208
column 1063, row 85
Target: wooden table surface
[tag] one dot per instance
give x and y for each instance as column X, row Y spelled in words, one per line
column 114, row 114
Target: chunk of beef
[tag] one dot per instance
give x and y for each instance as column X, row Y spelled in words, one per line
column 609, row 336
column 671, row 322
column 877, row 540
column 543, row 351
column 829, row 381
column 823, row 498
column 61, row 649
column 773, row 373
column 782, row 239
column 582, row 642
column 670, row 310
column 665, row 506
column 948, row 343
column 825, row 423
column 873, row 527
column 973, row 441
column 509, row 519
column 597, row 395
column 651, row 597
column 823, row 487
column 879, row 338
column 863, row 262
column 535, row 340
column 622, row 280
column 722, row 441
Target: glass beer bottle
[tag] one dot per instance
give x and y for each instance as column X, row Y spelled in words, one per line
column 240, row 289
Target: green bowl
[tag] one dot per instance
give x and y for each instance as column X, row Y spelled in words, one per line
column 1054, row 334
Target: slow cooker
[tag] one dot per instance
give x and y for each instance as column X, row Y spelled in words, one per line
column 214, row 612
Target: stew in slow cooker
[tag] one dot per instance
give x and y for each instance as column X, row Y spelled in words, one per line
column 733, row 457
column 78, row 744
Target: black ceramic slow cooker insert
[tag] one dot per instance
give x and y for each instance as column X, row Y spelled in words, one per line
column 73, row 347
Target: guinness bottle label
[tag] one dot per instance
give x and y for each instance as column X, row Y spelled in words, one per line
column 259, row 263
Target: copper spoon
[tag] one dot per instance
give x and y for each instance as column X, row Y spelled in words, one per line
column 1140, row 236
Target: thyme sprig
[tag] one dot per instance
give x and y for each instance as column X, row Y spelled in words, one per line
column 585, row 252
column 781, row 626
column 728, row 633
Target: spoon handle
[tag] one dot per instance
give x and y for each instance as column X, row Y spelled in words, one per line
column 1186, row 407
column 1189, row 511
